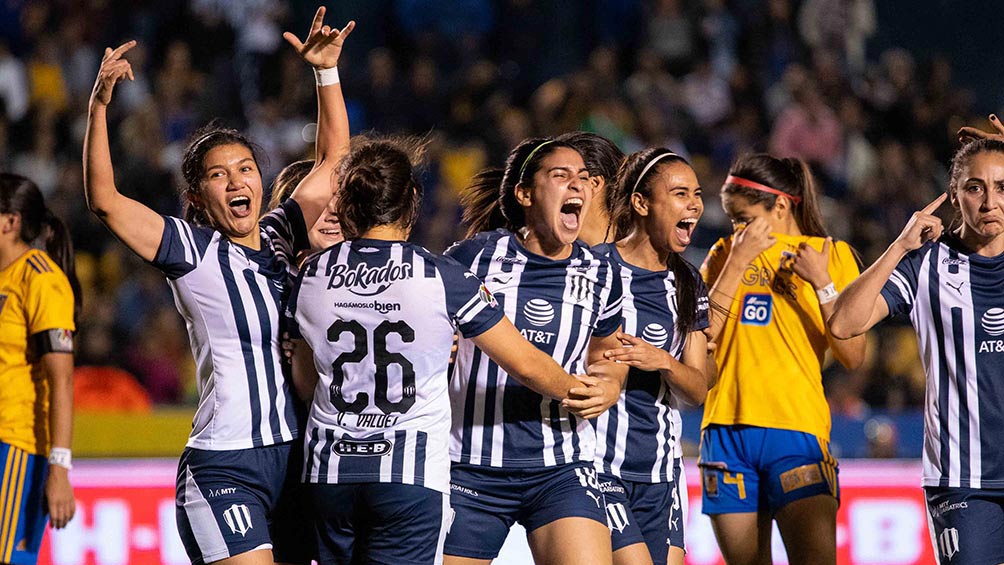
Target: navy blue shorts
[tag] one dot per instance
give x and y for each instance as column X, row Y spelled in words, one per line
column 681, row 504
column 232, row 502
column 638, row 513
column 385, row 523
column 967, row 525
column 23, row 512
column 488, row 500
column 748, row 468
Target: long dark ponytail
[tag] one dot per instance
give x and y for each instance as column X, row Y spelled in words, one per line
column 636, row 174
column 19, row 195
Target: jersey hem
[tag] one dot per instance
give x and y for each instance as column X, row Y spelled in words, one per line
column 276, row 439
column 769, row 425
column 354, row 479
column 519, row 463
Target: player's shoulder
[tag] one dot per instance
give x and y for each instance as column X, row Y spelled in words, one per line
column 36, row 266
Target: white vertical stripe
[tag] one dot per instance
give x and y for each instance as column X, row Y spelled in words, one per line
column 205, row 528
column 972, row 387
column 502, row 379
column 444, row 528
column 410, row 458
column 387, row 461
column 927, row 343
column 663, row 440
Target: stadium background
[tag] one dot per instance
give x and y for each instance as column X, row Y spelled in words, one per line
column 869, row 92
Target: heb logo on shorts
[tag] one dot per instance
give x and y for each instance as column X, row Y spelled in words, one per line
column 758, row 309
column 361, row 448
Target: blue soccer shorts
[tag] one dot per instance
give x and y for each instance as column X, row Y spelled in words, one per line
column 748, row 468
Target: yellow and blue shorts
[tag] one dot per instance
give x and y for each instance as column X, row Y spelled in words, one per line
column 749, row 468
column 22, row 505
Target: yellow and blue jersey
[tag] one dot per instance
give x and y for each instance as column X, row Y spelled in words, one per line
column 771, row 349
column 35, row 296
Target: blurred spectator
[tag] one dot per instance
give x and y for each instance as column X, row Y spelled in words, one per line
column 14, row 92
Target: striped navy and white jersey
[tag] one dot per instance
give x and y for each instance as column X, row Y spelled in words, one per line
column 639, row 437
column 230, row 297
column 955, row 303
column 557, row 305
column 380, row 317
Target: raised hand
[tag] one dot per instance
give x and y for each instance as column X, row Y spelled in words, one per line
column 813, row 265
column 639, row 353
column 113, row 70
column 323, row 45
column 967, row 134
column 923, row 226
column 752, row 239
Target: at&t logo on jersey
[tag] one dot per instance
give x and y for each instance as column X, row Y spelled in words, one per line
column 655, row 334
column 538, row 312
column 364, row 280
column 757, row 309
column 993, row 323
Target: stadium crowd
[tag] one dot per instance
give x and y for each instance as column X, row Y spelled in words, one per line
column 712, row 80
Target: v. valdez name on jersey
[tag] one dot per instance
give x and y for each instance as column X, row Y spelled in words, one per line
column 363, row 280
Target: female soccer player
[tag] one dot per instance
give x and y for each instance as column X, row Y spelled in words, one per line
column 228, row 270
column 517, row 455
column 656, row 205
column 950, row 287
column 379, row 314
column 602, row 158
column 38, row 298
column 766, row 427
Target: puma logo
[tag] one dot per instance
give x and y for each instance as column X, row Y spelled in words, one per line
column 595, row 498
column 500, row 281
column 957, row 288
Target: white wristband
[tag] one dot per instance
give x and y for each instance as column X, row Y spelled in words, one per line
column 827, row 294
column 61, row 456
column 326, row 77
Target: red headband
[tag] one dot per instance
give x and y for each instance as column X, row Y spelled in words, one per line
column 761, row 187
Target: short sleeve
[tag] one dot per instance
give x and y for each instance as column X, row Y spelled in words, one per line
column 48, row 303
column 843, row 265
column 610, row 313
column 901, row 288
column 468, row 301
column 181, row 247
column 286, row 229
column 466, row 252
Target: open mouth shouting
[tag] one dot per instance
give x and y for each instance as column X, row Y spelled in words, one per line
column 685, row 230
column 570, row 213
column 240, row 206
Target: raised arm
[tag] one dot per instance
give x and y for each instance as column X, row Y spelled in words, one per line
column 136, row 225
column 861, row 305
column 321, row 49
column 747, row 244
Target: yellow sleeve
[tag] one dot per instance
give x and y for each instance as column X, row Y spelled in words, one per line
column 843, row 265
column 714, row 262
column 48, row 303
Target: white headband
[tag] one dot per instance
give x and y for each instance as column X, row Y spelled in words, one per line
column 649, row 166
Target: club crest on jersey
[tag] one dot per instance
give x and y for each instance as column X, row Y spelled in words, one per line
column 363, row 280
column 580, row 288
